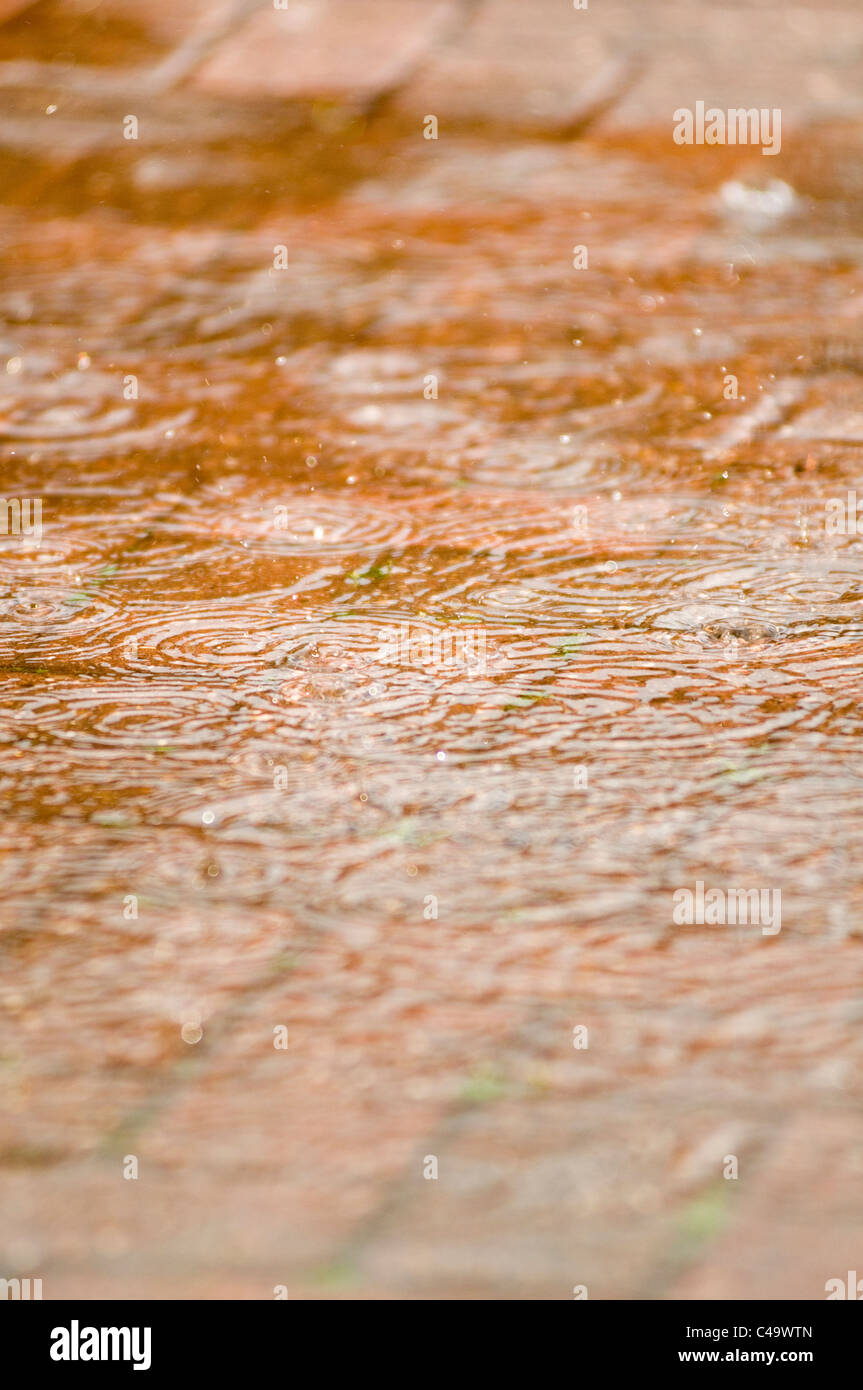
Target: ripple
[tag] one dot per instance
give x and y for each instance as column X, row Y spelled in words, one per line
column 716, row 622
column 513, row 598
column 319, row 524
column 43, row 611
column 201, row 688
column 82, row 414
column 125, row 717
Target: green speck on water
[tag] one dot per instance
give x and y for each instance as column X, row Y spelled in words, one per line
column 366, row 576
column 338, row 1272
column 485, row 1083
column 740, row 776
column 409, row 831
column 529, row 698
column 570, row 644
column 86, row 593
column 705, row 1216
